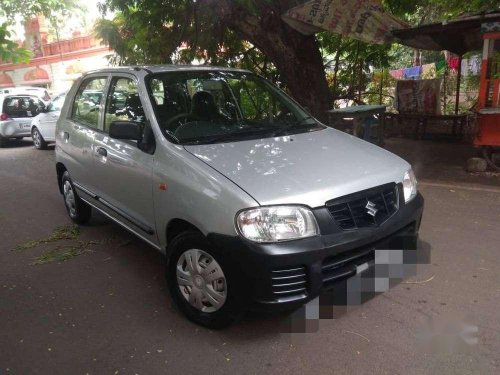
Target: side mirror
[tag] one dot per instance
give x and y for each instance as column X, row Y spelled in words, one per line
column 125, row 130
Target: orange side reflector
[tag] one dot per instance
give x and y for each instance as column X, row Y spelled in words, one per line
column 163, row 186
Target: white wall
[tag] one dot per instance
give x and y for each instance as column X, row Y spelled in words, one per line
column 57, row 71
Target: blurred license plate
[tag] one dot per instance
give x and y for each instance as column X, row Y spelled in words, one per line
column 24, row 125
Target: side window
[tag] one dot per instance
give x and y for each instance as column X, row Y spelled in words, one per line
column 87, row 104
column 123, row 103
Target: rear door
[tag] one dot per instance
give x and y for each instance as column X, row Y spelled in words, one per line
column 122, row 170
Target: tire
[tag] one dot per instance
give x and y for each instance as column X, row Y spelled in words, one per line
column 487, row 153
column 79, row 211
column 38, row 140
column 183, row 283
column 3, row 141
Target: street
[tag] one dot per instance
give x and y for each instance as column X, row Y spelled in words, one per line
column 106, row 309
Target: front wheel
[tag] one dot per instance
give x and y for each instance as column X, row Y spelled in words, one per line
column 38, row 140
column 79, row 211
column 199, row 284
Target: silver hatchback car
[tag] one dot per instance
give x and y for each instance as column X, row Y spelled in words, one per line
column 256, row 204
column 16, row 113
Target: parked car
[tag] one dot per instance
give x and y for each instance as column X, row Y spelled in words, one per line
column 40, row 92
column 255, row 203
column 43, row 126
column 16, row 113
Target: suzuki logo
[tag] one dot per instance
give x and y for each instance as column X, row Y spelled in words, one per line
column 371, row 208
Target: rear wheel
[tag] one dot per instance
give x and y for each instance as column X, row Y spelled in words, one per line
column 199, row 284
column 38, row 140
column 79, row 211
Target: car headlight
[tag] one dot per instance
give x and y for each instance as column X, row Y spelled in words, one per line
column 409, row 186
column 277, row 223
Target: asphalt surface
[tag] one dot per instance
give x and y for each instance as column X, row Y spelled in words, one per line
column 107, row 311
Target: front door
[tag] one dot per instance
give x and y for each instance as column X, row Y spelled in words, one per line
column 48, row 121
column 82, row 125
column 123, row 172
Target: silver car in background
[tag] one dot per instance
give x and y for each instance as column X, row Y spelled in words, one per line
column 16, row 113
column 255, row 204
column 43, row 126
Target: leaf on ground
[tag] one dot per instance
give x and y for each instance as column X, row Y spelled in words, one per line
column 65, row 232
column 64, row 253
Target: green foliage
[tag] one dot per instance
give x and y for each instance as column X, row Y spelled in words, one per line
column 426, row 11
column 183, row 31
column 66, row 232
column 10, row 9
column 29, row 8
column 64, row 253
column 9, row 50
column 349, row 63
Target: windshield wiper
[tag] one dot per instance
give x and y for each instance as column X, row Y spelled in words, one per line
column 246, row 129
column 285, row 129
column 171, row 134
column 241, row 131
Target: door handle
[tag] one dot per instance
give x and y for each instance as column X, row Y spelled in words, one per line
column 66, row 136
column 102, row 151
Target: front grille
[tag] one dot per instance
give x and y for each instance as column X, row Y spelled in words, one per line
column 367, row 208
column 288, row 283
column 342, row 266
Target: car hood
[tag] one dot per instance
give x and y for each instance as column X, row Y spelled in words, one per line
column 309, row 168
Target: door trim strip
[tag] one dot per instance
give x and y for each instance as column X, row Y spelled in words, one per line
column 139, row 224
column 122, row 224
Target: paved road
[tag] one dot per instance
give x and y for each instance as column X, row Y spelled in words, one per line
column 107, row 311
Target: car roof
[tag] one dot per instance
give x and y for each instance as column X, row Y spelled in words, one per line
column 17, row 95
column 24, row 88
column 167, row 68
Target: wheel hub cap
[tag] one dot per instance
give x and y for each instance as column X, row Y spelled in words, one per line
column 36, row 138
column 198, row 281
column 201, row 281
column 69, row 198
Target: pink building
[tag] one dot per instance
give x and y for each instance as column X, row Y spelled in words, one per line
column 53, row 65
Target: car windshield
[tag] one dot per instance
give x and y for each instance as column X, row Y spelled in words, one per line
column 198, row 107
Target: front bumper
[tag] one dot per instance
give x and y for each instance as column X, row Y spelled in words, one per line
column 280, row 275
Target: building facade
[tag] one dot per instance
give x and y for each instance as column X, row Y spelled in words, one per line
column 54, row 65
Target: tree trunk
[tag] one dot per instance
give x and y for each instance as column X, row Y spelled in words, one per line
column 296, row 56
column 302, row 71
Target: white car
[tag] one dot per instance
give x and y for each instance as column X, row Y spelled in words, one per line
column 16, row 113
column 43, row 126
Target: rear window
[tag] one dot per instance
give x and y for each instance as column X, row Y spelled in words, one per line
column 22, row 106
